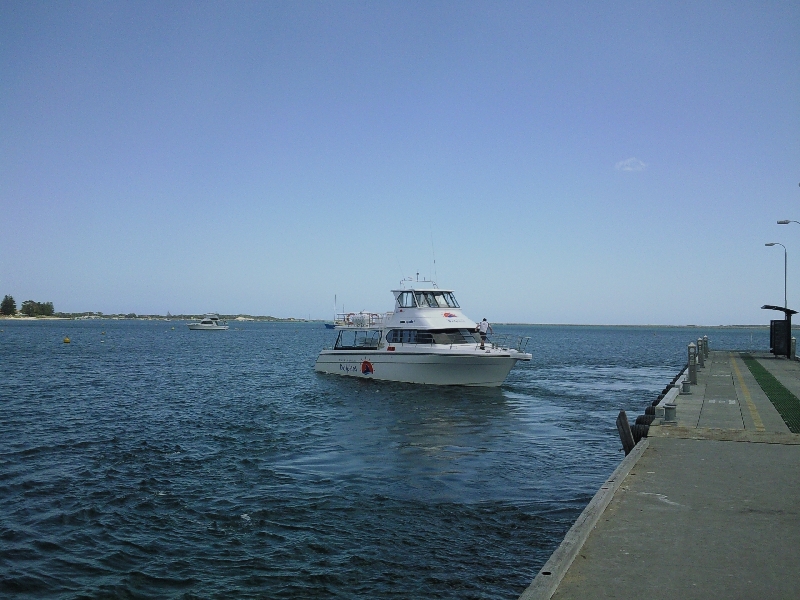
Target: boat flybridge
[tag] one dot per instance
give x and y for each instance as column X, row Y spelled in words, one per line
column 426, row 339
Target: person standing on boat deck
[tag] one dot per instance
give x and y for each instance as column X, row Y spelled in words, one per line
column 484, row 328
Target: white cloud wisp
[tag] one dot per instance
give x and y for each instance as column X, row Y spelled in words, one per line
column 631, row 164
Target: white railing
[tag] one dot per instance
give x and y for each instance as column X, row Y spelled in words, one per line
column 361, row 319
column 507, row 341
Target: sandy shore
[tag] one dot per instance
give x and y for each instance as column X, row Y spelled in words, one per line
column 16, row 318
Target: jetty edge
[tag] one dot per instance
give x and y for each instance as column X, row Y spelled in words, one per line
column 707, row 502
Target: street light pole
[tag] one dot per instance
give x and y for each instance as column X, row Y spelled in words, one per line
column 785, row 304
column 786, row 222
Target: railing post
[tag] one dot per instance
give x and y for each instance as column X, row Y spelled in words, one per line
column 700, row 353
column 692, row 349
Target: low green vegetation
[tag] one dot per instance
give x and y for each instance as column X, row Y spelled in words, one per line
column 786, row 403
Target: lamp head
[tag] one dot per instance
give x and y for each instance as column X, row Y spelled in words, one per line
column 784, row 222
column 770, row 244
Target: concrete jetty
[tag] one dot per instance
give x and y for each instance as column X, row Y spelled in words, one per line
column 707, row 506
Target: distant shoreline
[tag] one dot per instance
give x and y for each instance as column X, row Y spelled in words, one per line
column 648, row 325
column 94, row 317
column 269, row 319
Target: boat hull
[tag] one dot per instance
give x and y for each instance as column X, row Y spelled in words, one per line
column 469, row 369
column 201, row 327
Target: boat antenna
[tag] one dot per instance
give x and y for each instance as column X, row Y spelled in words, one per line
column 433, row 256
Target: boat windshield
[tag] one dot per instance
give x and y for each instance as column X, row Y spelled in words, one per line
column 357, row 340
column 436, row 300
column 406, row 300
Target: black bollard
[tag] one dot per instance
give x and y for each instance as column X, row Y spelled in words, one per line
column 625, row 434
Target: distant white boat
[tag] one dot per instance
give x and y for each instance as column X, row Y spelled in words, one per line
column 209, row 323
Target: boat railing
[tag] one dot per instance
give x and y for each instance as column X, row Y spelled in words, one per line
column 361, row 319
column 508, row 341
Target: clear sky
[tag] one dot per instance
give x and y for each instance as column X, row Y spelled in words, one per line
column 605, row 163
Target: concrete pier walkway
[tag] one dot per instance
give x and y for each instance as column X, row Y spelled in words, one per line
column 706, row 508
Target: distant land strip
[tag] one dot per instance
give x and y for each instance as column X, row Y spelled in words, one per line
column 268, row 318
column 121, row 316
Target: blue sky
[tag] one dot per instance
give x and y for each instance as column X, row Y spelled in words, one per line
column 605, row 163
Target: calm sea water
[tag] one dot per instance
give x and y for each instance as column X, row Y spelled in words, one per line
column 142, row 461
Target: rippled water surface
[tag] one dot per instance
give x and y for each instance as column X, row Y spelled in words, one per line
column 146, row 461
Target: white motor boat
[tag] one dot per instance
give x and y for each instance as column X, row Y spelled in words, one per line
column 209, row 323
column 426, row 339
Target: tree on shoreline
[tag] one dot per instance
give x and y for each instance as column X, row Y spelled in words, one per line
column 37, row 309
column 8, row 307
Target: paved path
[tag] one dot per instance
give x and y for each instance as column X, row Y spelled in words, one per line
column 709, row 508
column 728, row 397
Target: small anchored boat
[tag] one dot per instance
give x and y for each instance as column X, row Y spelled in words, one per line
column 210, row 322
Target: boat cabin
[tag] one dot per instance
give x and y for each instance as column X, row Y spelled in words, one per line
column 422, row 317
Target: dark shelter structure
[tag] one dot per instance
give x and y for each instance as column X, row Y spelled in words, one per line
column 780, row 331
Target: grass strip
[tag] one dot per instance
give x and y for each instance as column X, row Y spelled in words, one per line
column 786, row 403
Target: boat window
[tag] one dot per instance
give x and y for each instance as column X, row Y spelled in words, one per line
column 401, row 336
column 425, row 337
column 454, row 336
column 430, row 299
column 464, row 336
column 358, row 340
column 346, row 339
column 444, row 300
column 441, row 337
column 437, row 336
column 406, row 300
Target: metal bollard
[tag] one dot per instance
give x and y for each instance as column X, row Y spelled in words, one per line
column 692, row 349
column 686, row 388
column 705, row 345
column 700, row 360
column 669, row 413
